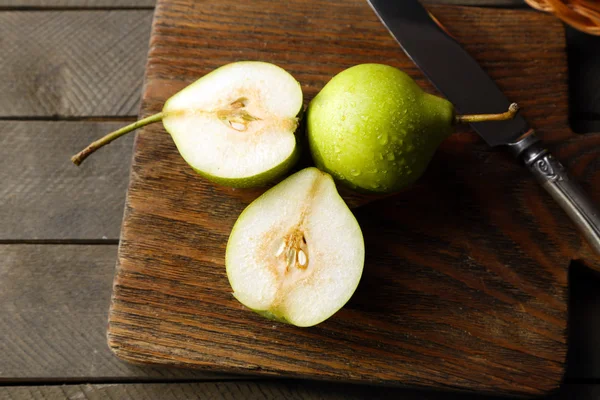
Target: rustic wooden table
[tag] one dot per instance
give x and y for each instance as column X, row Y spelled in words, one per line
column 70, row 71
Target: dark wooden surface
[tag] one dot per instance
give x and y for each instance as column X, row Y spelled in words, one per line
column 53, row 319
column 43, row 78
column 48, row 287
column 76, row 4
column 467, row 293
column 250, row 390
column 120, row 4
column 58, row 203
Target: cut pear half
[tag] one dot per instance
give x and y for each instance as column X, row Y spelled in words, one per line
column 235, row 126
column 296, row 253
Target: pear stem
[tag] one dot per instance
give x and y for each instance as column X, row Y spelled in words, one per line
column 470, row 118
column 83, row 154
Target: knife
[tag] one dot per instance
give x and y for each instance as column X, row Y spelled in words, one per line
column 430, row 46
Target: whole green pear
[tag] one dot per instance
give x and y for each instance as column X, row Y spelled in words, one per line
column 375, row 130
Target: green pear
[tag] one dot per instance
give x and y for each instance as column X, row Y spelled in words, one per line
column 375, row 130
column 235, row 126
column 296, row 253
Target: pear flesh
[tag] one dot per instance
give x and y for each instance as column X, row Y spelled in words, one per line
column 236, row 124
column 296, row 254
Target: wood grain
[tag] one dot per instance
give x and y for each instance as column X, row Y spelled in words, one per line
column 24, row 4
column 465, row 281
column 83, row 63
column 46, row 197
column 78, row 4
column 53, row 310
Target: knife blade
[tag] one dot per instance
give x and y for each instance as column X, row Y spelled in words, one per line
column 464, row 83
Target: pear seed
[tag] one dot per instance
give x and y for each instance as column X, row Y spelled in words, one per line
column 302, row 258
column 280, row 249
column 291, row 257
column 239, row 103
column 238, row 126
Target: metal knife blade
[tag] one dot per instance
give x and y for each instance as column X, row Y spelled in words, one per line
column 449, row 67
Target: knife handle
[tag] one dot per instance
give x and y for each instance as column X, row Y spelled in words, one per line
column 556, row 180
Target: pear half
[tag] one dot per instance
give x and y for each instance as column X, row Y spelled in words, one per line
column 296, row 253
column 235, row 126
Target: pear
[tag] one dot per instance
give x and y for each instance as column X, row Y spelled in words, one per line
column 296, row 253
column 375, row 130
column 235, row 126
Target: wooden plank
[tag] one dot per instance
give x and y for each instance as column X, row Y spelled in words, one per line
column 53, row 308
column 465, row 293
column 292, row 390
column 53, row 305
column 78, row 4
column 72, row 64
column 295, row 390
column 44, row 196
column 24, row 4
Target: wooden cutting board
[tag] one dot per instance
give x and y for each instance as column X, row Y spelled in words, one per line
column 465, row 281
